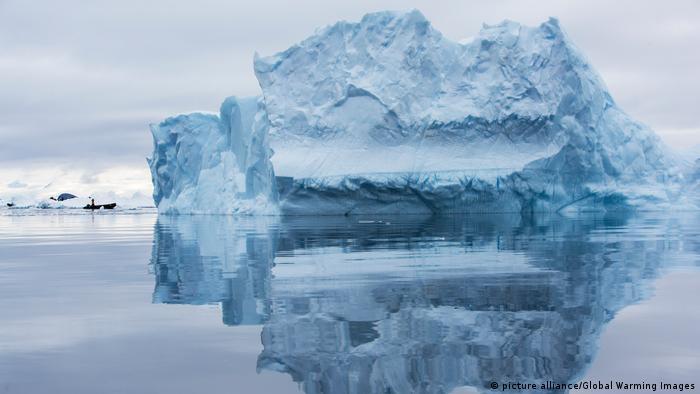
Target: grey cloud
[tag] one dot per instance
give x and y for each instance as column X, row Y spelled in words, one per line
column 16, row 185
column 81, row 81
column 89, row 178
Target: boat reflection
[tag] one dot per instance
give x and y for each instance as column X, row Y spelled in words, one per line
column 413, row 304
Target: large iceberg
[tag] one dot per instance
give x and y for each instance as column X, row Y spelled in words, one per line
column 386, row 116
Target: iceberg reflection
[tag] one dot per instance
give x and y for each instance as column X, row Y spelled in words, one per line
column 204, row 260
column 413, row 304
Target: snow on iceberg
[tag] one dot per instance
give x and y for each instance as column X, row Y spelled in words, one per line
column 204, row 163
column 388, row 116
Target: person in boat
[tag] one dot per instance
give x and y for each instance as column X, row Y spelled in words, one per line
column 93, row 202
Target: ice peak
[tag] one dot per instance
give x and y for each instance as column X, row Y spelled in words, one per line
column 505, row 26
column 388, row 24
column 552, row 21
column 553, row 29
column 549, row 29
column 413, row 16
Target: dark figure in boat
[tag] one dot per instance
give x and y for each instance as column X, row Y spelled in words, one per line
column 105, row 206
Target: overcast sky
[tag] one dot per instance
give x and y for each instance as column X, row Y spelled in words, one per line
column 81, row 80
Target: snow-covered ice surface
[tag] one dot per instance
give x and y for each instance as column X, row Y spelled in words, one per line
column 388, row 116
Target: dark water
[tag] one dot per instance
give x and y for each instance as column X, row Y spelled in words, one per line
column 139, row 304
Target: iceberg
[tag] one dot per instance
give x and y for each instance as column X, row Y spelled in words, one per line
column 205, row 163
column 386, row 115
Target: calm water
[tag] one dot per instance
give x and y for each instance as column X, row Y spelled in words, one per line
column 119, row 303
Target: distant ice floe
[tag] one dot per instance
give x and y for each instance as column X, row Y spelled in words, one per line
column 21, row 205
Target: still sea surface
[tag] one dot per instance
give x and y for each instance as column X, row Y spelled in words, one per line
column 129, row 302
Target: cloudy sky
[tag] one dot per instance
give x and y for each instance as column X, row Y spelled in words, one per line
column 81, row 80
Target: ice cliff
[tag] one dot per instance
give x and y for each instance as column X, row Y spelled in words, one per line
column 387, row 115
column 205, row 163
